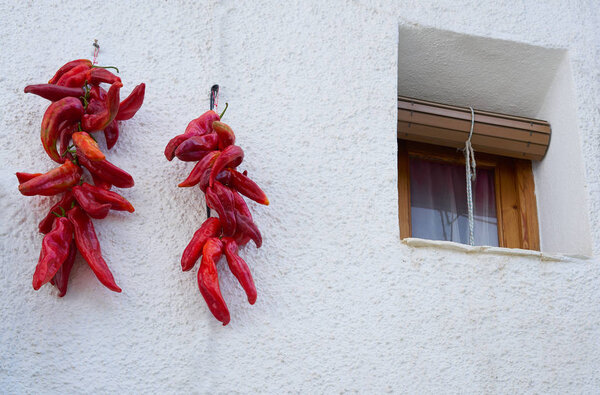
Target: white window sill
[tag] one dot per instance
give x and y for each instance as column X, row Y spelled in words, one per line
column 452, row 246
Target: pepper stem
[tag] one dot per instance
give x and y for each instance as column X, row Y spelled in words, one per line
column 105, row 67
column 225, row 109
column 64, row 214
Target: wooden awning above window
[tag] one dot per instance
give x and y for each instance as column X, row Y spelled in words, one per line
column 493, row 133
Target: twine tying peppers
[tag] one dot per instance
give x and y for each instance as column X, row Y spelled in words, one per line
column 211, row 143
column 80, row 107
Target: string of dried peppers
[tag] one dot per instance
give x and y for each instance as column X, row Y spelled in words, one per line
column 211, row 143
column 80, row 106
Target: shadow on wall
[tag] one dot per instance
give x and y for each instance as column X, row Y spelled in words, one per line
column 517, row 79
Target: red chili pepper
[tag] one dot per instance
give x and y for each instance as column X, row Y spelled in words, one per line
column 239, row 268
column 61, row 207
column 92, row 122
column 53, row 182
column 132, row 103
column 24, row 177
column 197, row 127
column 225, row 196
column 231, row 156
column 89, row 204
column 89, row 247
column 67, row 67
column 219, row 200
column 208, row 280
column 54, row 92
column 247, row 227
column 76, row 77
column 67, row 109
column 241, row 207
column 111, row 134
column 116, row 201
column 55, row 249
column 61, row 278
column 97, row 76
column 66, row 130
column 202, row 124
column 87, row 146
column 100, row 183
column 199, row 169
column 225, row 133
column 196, row 147
column 247, row 187
column 106, row 171
column 210, row 228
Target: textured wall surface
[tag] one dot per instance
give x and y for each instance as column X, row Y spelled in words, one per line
column 343, row 304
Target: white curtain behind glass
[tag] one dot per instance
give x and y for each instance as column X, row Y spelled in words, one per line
column 438, row 201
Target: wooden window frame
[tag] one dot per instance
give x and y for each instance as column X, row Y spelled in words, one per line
column 514, row 187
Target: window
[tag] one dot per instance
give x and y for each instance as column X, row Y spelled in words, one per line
column 431, row 182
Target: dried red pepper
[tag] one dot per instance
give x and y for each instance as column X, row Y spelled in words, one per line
column 196, row 147
column 61, row 278
column 89, row 204
column 116, row 201
column 239, row 268
column 132, row 103
column 53, row 182
column 197, row 127
column 106, row 171
column 208, row 279
column 67, row 67
column 55, row 250
column 210, row 228
column 87, row 146
column 111, row 134
column 231, row 156
column 97, row 76
column 89, row 247
column 54, row 92
column 202, row 167
column 68, row 109
column 76, row 77
column 247, row 187
column 224, row 133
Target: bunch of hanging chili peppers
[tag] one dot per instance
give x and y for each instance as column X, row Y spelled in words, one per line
column 211, row 143
column 80, row 106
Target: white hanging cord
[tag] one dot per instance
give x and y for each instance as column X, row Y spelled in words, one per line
column 470, row 171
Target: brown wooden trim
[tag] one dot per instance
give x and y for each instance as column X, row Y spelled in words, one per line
column 454, row 138
column 461, row 125
column 403, row 191
column 527, row 205
column 446, row 110
column 508, row 205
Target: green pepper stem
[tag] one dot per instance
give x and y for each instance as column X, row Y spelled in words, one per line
column 106, row 67
column 225, row 109
column 64, row 214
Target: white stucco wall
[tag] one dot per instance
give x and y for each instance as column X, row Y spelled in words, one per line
column 343, row 304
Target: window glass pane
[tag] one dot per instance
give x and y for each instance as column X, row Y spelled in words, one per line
column 438, row 199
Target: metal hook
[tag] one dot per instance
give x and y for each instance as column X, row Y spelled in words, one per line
column 214, row 94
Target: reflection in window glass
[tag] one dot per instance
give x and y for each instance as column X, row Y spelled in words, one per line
column 438, row 199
